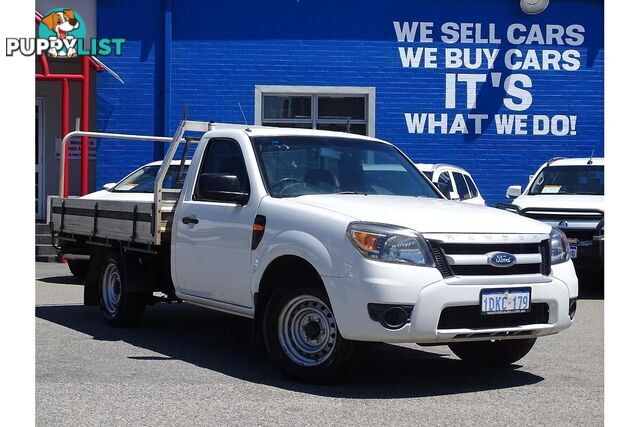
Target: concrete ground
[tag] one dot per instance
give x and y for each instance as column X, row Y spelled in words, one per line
column 186, row 365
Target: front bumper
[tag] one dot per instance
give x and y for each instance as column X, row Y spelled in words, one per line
column 590, row 248
column 430, row 294
column 590, row 253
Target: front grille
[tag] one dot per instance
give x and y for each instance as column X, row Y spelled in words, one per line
column 582, row 235
column 482, row 248
column 441, row 262
column 559, row 216
column 489, row 270
column 442, row 250
column 545, row 251
column 563, row 214
column 470, row 317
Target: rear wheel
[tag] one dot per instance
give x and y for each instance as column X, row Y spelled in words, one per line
column 118, row 306
column 302, row 337
column 493, row 353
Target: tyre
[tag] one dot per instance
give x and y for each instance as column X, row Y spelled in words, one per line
column 118, row 307
column 493, row 353
column 301, row 334
column 79, row 269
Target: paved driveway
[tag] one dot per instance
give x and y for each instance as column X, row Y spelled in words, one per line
column 186, row 365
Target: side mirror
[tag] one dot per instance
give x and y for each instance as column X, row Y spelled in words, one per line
column 109, row 185
column 531, row 177
column 221, row 187
column 514, row 191
column 454, row 195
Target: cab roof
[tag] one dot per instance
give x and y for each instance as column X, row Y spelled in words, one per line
column 431, row 167
column 173, row 162
column 252, row 130
column 581, row 161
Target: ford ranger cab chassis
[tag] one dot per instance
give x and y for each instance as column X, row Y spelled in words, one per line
column 326, row 240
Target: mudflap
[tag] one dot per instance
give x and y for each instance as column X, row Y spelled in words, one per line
column 91, row 281
column 148, row 273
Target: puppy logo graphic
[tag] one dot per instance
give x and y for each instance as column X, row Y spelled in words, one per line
column 63, row 27
column 62, row 33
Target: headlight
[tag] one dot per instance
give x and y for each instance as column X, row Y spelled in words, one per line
column 388, row 243
column 559, row 247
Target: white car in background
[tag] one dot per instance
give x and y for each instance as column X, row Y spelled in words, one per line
column 568, row 194
column 135, row 187
column 138, row 185
column 453, row 181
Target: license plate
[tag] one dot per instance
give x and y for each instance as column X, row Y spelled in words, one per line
column 501, row 301
column 573, row 250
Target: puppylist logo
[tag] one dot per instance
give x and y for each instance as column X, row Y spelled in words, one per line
column 61, row 34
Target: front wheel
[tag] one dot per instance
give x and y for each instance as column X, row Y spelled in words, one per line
column 302, row 337
column 118, row 306
column 493, row 353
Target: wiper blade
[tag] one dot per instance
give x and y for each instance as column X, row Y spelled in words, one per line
column 352, row 192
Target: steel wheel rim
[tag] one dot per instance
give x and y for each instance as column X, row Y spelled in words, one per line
column 111, row 288
column 307, row 330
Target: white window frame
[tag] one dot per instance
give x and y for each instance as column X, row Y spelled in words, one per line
column 368, row 92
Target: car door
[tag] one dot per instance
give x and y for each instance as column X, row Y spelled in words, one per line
column 212, row 246
column 474, row 197
column 445, row 184
column 461, row 186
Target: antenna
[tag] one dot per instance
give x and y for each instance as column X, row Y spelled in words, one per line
column 590, row 162
column 243, row 116
column 185, row 111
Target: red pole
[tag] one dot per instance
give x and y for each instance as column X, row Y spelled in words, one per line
column 65, row 130
column 54, row 77
column 44, row 64
column 84, row 151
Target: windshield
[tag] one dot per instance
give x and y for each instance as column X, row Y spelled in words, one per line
column 141, row 181
column 298, row 165
column 585, row 180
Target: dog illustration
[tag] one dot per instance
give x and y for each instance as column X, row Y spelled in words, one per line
column 61, row 23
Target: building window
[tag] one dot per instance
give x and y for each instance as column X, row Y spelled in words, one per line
column 342, row 109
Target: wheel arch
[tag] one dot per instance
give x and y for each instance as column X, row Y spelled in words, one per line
column 272, row 278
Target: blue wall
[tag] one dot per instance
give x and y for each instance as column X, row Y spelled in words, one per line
column 221, row 50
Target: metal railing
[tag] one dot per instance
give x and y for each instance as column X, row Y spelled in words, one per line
column 185, row 126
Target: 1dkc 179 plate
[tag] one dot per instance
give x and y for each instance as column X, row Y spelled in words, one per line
column 503, row 301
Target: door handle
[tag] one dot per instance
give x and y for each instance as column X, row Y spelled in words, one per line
column 189, row 220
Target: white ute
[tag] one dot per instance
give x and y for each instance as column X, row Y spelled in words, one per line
column 568, row 194
column 326, row 240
